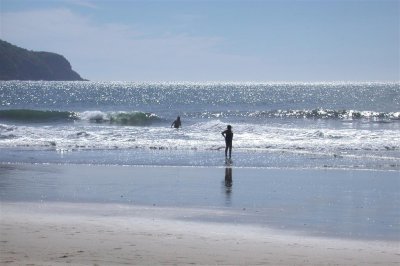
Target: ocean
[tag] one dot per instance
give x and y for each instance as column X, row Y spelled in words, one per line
column 275, row 125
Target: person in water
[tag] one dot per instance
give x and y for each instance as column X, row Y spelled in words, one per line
column 228, row 135
column 177, row 123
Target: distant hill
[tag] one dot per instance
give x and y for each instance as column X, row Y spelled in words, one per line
column 20, row 64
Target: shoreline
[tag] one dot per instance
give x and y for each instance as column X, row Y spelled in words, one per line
column 268, row 159
column 295, row 168
column 360, row 204
column 46, row 234
column 54, row 214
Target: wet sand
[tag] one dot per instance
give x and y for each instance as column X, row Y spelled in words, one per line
column 114, row 215
column 80, row 234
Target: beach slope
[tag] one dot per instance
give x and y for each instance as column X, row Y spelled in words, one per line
column 41, row 234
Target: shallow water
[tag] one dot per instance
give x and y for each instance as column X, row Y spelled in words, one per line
column 331, row 203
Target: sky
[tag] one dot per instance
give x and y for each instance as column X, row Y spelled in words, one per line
column 220, row 40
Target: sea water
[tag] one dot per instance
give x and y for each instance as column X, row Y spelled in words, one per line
column 282, row 125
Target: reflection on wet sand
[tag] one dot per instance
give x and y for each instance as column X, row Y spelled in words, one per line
column 228, row 184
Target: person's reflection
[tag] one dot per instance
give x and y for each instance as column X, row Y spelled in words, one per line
column 228, row 184
column 228, row 179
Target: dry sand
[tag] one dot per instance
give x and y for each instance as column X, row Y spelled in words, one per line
column 83, row 234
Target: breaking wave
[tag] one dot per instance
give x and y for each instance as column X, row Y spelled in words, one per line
column 146, row 118
column 27, row 115
column 37, row 116
column 121, row 118
column 300, row 114
column 326, row 113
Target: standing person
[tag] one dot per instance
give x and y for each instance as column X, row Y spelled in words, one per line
column 228, row 135
column 177, row 123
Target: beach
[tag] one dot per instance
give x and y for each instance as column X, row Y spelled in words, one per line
column 112, row 215
column 42, row 236
column 116, row 118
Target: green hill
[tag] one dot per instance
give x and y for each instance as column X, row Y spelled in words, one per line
column 20, row 64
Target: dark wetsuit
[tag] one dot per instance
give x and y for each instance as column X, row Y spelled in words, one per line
column 228, row 137
column 228, row 134
column 177, row 123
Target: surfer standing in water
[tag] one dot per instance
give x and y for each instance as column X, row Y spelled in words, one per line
column 177, row 123
column 228, row 135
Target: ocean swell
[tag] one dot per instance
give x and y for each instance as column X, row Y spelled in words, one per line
column 120, row 118
column 299, row 114
column 40, row 116
column 28, row 115
column 327, row 113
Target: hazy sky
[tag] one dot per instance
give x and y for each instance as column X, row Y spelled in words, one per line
column 284, row 40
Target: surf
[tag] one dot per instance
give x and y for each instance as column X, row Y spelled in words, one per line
column 28, row 115
column 327, row 114
column 131, row 118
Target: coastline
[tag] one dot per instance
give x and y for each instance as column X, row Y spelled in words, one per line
column 159, row 157
column 112, row 215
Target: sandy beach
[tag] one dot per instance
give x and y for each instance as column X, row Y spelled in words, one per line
column 86, row 219
column 41, row 234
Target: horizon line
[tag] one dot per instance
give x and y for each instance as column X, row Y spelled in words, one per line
column 220, row 81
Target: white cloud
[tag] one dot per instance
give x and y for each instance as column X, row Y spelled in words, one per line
column 82, row 3
column 118, row 51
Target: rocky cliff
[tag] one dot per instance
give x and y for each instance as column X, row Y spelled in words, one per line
column 20, row 64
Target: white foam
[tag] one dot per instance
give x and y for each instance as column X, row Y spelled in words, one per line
column 202, row 136
column 93, row 115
